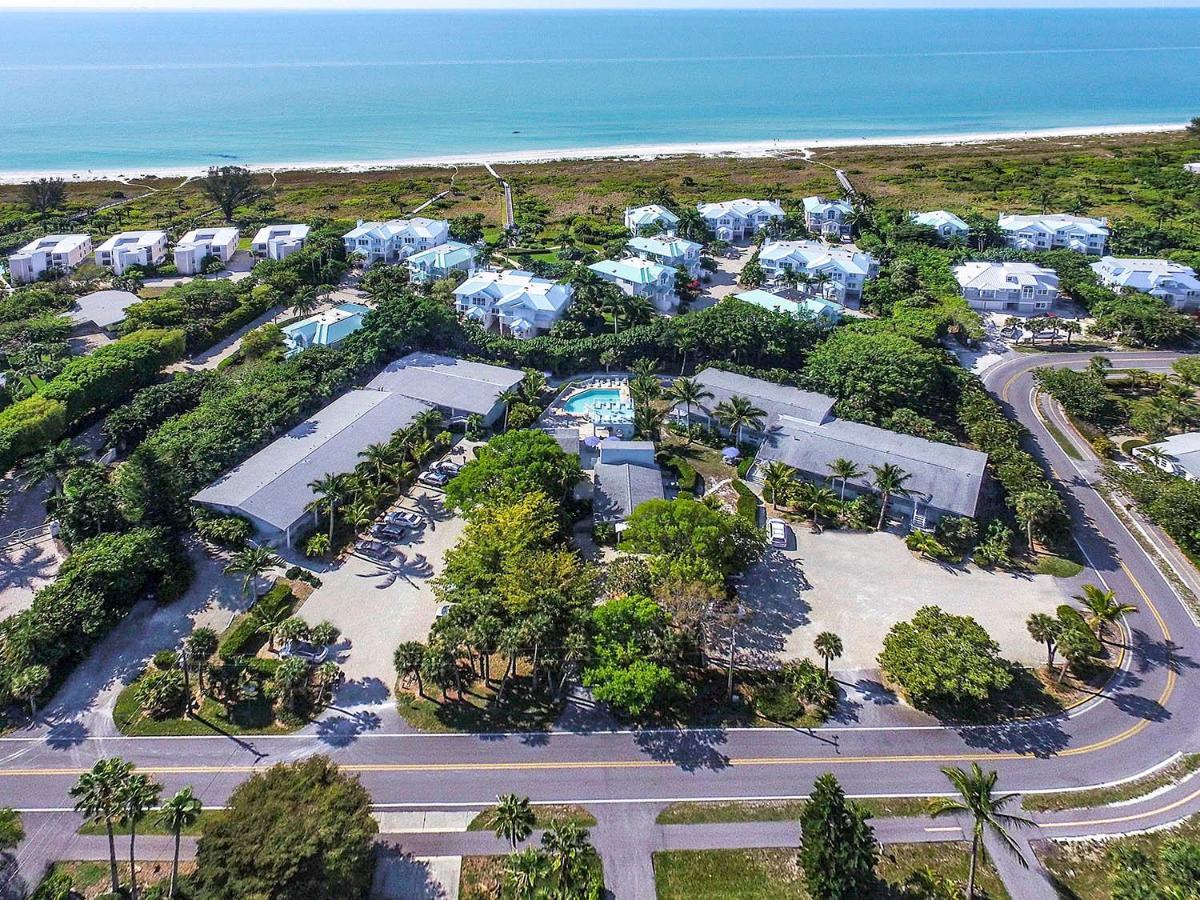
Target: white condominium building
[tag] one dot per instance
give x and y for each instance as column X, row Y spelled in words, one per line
column 827, row 218
column 641, row 278
column 200, row 243
column 516, row 302
column 278, row 241
column 1173, row 283
column 1051, row 232
column 394, row 240
column 669, row 251
column 948, row 226
column 652, row 216
column 61, row 252
column 1007, row 286
column 132, row 248
column 737, row 219
column 837, row 273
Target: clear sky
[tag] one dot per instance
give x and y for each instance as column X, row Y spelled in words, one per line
column 564, row 4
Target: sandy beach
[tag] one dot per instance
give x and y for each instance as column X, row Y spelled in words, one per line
column 732, row 149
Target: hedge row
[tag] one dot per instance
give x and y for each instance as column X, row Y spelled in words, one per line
column 85, row 385
column 244, row 638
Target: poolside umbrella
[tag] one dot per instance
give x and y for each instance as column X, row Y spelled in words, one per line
column 591, row 442
column 731, row 453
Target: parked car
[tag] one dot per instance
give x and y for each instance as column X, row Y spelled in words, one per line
column 386, row 531
column 445, row 609
column 405, row 519
column 777, row 533
column 434, row 478
column 449, row 467
column 304, row 650
column 376, row 550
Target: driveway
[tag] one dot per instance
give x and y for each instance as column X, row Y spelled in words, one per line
column 379, row 605
column 725, row 279
column 858, row 585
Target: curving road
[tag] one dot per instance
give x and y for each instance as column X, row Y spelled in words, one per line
column 1144, row 718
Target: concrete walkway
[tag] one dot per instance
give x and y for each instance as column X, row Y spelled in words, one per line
column 1022, row 883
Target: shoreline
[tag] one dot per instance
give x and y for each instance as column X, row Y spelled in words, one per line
column 731, row 149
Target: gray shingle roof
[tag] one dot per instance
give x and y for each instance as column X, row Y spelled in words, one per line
column 947, row 477
column 775, row 399
column 620, row 488
column 446, row 381
column 104, row 308
column 272, row 485
column 567, row 438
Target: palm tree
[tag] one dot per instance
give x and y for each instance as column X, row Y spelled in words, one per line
column 532, row 385
column 407, row 659
column 1154, row 455
column 201, row 645
column 1031, row 508
column 842, row 469
column 779, row 479
column 330, row 491
column 328, row 674
column 1045, row 629
column 180, row 812
column 359, row 515
column 378, row 457
column 889, row 481
column 737, row 413
column 251, row 563
column 508, row 397
column 525, row 872
column 565, row 843
column 816, row 501
column 976, row 800
column 139, row 795
column 97, row 796
column 689, row 392
column 1103, row 608
column 514, row 818
column 53, row 464
column 828, row 646
column 426, row 423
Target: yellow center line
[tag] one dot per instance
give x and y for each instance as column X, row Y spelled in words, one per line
column 1132, row 817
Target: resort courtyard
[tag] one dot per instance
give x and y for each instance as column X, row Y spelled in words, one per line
column 858, row 585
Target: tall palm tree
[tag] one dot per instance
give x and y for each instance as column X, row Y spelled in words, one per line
column 532, row 385
column 508, row 397
column 737, row 413
column 97, row 796
column 250, row 563
column 139, row 795
column 330, row 491
column 426, row 423
column 1153, row 454
column 565, row 843
column 1102, row 607
column 889, row 480
column 378, row 457
column 986, row 810
column 689, row 392
column 178, row 813
column 514, row 818
column 779, row 479
column 816, row 501
column 359, row 515
column 1032, row 507
column 828, row 646
column 842, row 469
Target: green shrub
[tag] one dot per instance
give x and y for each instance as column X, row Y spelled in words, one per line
column 160, row 693
column 225, row 531
column 747, row 502
column 686, row 475
column 165, row 660
column 28, row 426
column 744, row 466
column 237, row 640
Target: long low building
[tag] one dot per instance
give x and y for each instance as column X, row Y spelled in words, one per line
column 626, row 476
column 271, row 488
column 800, row 430
column 458, row 387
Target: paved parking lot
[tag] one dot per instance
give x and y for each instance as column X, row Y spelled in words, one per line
column 858, row 585
column 379, row 605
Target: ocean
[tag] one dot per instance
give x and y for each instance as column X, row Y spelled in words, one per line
column 129, row 92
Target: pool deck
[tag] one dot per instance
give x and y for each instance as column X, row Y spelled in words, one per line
column 558, row 416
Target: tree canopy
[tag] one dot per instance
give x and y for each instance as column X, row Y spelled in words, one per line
column 297, row 830
column 512, row 465
column 692, row 541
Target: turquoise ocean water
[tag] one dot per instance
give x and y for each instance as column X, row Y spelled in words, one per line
column 129, row 90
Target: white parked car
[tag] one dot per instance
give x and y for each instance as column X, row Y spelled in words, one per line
column 777, row 533
column 434, row 478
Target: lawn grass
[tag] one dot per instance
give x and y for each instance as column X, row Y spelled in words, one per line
column 255, row 716
column 545, row 816
column 1058, row 566
column 150, row 825
column 1130, row 790
column 1062, row 440
column 773, row 874
column 1082, row 870
column 525, row 708
column 90, row 878
column 698, row 813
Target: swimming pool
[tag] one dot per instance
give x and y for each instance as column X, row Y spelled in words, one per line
column 601, row 405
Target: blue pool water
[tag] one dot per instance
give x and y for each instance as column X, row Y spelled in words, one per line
column 144, row 89
column 601, row 405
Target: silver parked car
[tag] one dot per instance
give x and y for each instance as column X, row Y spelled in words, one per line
column 376, row 550
column 404, row 518
column 304, row 650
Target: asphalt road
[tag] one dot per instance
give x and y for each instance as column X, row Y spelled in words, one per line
column 1144, row 718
